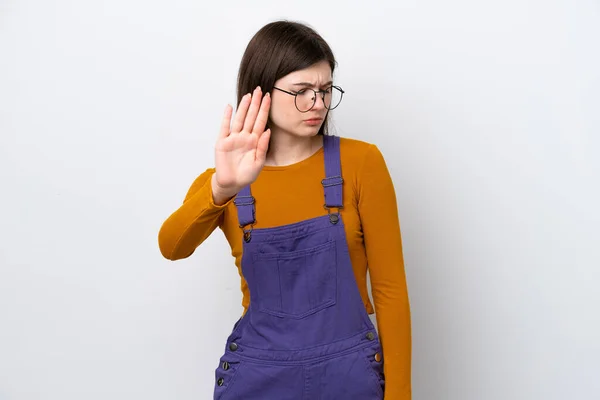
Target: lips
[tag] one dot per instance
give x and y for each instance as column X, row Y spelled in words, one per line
column 314, row 120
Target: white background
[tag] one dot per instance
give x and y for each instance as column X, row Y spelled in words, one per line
column 488, row 114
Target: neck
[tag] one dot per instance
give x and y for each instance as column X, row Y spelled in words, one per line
column 286, row 149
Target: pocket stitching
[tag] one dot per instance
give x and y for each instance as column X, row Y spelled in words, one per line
column 322, row 248
column 295, row 253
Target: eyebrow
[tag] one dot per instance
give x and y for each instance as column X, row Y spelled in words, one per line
column 308, row 84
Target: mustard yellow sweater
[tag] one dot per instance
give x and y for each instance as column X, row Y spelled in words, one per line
column 288, row 194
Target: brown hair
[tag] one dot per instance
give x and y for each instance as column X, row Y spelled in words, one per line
column 277, row 49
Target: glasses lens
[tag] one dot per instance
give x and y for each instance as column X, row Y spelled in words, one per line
column 305, row 100
column 333, row 98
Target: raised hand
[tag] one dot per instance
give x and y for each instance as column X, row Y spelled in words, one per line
column 241, row 148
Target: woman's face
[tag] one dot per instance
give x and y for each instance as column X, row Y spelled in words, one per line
column 284, row 115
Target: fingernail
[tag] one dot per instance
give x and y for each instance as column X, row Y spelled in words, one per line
column 258, row 88
column 268, row 94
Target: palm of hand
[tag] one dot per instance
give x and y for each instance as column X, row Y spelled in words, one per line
column 236, row 160
column 241, row 149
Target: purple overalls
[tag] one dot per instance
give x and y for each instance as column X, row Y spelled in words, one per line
column 306, row 334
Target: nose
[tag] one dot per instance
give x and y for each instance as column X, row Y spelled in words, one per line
column 319, row 102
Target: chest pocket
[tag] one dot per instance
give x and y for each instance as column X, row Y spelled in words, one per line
column 298, row 283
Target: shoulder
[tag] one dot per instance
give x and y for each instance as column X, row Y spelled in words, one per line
column 358, row 152
column 354, row 145
column 355, row 148
column 362, row 162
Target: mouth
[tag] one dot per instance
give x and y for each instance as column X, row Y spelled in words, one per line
column 313, row 120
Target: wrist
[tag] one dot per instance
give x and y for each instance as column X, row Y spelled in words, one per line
column 220, row 194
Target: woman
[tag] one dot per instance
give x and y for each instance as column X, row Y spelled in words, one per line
column 305, row 213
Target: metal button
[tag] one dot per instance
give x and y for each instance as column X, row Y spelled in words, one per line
column 378, row 357
column 220, row 381
column 370, row 336
column 225, row 365
column 233, row 347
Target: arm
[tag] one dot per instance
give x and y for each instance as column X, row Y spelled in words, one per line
column 381, row 228
column 194, row 221
column 240, row 154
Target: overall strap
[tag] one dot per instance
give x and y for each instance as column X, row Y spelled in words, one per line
column 332, row 184
column 244, row 202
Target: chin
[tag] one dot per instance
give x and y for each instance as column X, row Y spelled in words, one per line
column 308, row 132
column 304, row 132
column 312, row 129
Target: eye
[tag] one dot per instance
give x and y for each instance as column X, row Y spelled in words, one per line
column 301, row 91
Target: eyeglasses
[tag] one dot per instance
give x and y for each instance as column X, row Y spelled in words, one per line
column 305, row 99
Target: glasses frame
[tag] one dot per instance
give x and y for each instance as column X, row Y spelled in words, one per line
column 316, row 92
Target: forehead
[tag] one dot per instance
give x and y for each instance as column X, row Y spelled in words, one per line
column 316, row 74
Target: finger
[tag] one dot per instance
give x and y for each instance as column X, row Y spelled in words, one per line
column 253, row 110
column 226, row 123
column 263, row 146
column 240, row 115
column 263, row 115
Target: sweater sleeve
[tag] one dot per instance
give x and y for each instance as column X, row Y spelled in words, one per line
column 381, row 228
column 193, row 222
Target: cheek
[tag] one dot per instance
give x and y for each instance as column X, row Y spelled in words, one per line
column 283, row 116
